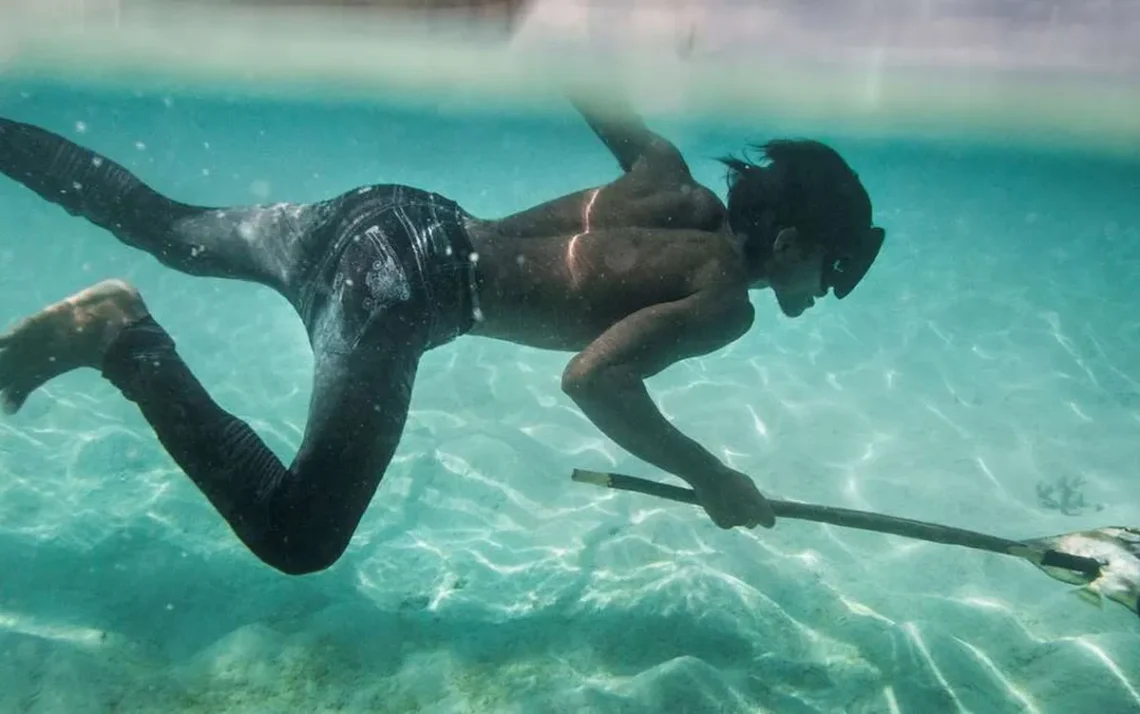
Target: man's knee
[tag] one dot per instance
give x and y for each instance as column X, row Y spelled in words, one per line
column 303, row 554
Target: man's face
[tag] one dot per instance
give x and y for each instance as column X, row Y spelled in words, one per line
column 795, row 272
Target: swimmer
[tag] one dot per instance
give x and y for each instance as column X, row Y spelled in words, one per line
column 630, row 277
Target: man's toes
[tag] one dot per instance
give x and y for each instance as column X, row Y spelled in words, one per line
column 12, row 399
column 16, row 387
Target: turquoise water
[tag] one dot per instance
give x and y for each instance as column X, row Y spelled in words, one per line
column 994, row 349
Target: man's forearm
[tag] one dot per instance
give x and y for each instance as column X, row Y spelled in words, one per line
column 623, row 410
column 621, row 129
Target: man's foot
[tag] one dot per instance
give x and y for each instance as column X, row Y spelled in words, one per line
column 70, row 334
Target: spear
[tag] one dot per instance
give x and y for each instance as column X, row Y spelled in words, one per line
column 1104, row 563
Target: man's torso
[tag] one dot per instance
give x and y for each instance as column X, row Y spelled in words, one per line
column 558, row 275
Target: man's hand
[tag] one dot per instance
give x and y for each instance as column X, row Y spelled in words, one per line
column 731, row 499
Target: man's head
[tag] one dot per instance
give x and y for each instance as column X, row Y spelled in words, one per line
column 804, row 221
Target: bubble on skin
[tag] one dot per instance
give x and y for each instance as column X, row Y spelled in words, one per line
column 520, row 259
column 97, row 161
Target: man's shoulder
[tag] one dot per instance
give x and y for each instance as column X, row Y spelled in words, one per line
column 705, row 207
column 676, row 200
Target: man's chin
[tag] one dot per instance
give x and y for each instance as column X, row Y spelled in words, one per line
column 795, row 310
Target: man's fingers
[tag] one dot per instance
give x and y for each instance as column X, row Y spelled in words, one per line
column 767, row 516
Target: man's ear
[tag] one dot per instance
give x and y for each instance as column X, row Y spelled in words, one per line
column 786, row 238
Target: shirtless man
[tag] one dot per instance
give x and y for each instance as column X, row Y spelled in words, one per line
column 632, row 277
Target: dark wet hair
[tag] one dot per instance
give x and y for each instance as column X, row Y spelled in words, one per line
column 805, row 184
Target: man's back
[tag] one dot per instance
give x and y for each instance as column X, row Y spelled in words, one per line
column 562, row 292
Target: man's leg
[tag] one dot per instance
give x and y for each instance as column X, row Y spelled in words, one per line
column 298, row 519
column 258, row 243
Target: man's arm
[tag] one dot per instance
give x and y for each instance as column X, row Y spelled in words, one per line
column 606, row 380
column 630, row 141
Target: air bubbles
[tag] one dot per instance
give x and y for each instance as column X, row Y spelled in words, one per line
column 81, row 127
